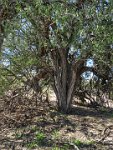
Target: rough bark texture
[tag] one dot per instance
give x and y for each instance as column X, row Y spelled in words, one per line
column 64, row 79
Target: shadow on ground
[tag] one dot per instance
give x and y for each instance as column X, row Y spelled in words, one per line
column 92, row 112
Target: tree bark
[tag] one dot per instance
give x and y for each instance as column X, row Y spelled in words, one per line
column 64, row 80
column 1, row 42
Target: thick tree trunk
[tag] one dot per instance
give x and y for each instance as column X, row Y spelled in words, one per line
column 64, row 89
column 64, row 79
column 65, row 97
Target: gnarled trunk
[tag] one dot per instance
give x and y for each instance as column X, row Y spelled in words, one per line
column 65, row 97
column 64, row 80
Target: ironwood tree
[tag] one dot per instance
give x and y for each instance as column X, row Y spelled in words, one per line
column 54, row 40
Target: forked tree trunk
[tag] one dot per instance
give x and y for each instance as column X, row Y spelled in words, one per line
column 64, row 80
column 65, row 97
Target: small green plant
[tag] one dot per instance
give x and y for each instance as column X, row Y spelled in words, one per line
column 40, row 137
column 32, row 145
column 77, row 142
column 55, row 134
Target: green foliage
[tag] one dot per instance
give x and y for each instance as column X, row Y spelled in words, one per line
column 32, row 145
column 40, row 137
column 55, row 134
column 39, row 140
column 33, row 31
column 79, row 143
